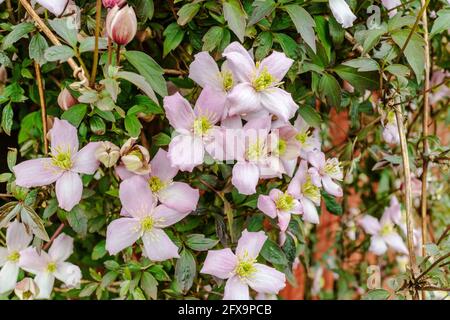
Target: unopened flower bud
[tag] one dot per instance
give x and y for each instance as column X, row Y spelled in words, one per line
column 112, row 3
column 3, row 75
column 26, row 289
column 108, row 154
column 121, row 25
column 135, row 157
column 56, row 7
column 66, row 100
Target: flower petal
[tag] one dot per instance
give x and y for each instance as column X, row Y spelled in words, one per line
column 186, row 152
column 204, row 71
column 245, row 177
column 267, row 206
column 243, row 99
column 342, row 12
column 316, row 159
column 278, row 102
column 235, row 289
column 55, row 7
column 69, row 189
column 250, row 243
column 377, row 245
column 3, row 256
column 17, row 236
column 370, row 224
column 68, row 273
column 85, row 160
column 122, row 233
column 62, row 248
column 179, row 112
column 136, row 196
column 309, row 211
column 394, row 241
column 220, row 263
column 158, row 246
column 266, row 279
column 45, row 282
column 165, row 216
column 63, row 137
column 161, row 167
column 8, row 276
column 239, row 62
column 277, row 64
column 180, row 196
column 331, row 187
column 283, row 220
column 33, row 262
column 36, row 173
column 211, row 104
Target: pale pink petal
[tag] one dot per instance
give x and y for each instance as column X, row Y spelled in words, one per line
column 17, row 236
column 68, row 273
column 295, row 186
column 165, row 216
column 266, row 279
column 204, row 71
column 267, row 206
column 274, row 194
column 186, row 152
column 239, row 61
column 377, row 245
column 123, row 172
column 370, row 224
column 54, row 6
column 234, row 122
column 69, row 189
column 220, row 263
column 309, row 211
column 33, row 262
column 394, row 241
column 122, row 233
column 158, row 246
column 235, row 289
column 226, row 144
column 36, row 173
column 45, row 282
column 289, row 166
column 63, row 137
column 8, row 276
column 136, row 197
column 210, row 104
column 62, row 248
column 4, row 253
column 160, row 166
column 250, row 243
column 245, row 177
column 261, row 123
column 278, row 102
column 85, row 160
column 243, row 99
column 316, row 159
column 179, row 112
column 331, row 187
column 277, row 65
column 316, row 178
column 179, row 196
column 283, row 220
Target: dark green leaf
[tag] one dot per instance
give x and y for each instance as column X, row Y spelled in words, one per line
column 185, row 270
column 75, row 114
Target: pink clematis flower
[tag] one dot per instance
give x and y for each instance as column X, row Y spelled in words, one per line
column 390, row 131
column 383, row 234
column 342, row 13
column 145, row 220
column 241, row 269
column 390, row 4
column 56, row 7
column 196, row 128
column 205, row 72
column 51, row 265
column 17, row 240
column 64, row 166
column 258, row 90
column 324, row 172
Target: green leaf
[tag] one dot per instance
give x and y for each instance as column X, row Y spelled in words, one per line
column 133, row 125
column 212, row 38
column 7, row 118
column 236, row 17
column 34, row 223
column 37, row 48
column 66, row 29
column 304, row 24
column 185, row 270
column 16, row 34
column 99, row 250
column 398, row 69
column 376, row 294
column 261, row 9
column 88, row 290
column 361, row 81
column 138, row 294
column 161, row 139
column 78, row 220
column 310, row 115
column 150, row 105
column 273, row 253
column 59, row 53
column 413, row 52
column 88, row 44
column 362, row 64
column 50, row 209
column 288, row 44
column 371, row 38
column 441, row 23
column 323, row 34
column 173, row 35
column 198, row 242
column 140, row 82
column 337, row 33
column 332, row 205
column 149, row 285
column 149, row 69
column 97, row 125
column 75, row 114
column 330, row 90
column 187, row 12
column 264, row 43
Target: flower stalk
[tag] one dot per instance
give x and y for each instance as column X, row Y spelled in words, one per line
column 98, row 15
column 40, row 84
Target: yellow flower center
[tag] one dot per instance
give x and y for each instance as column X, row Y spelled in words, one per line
column 282, row 146
column 332, row 167
column 137, row 153
column 255, row 151
column 387, row 229
column 147, row 224
column 263, row 81
column 51, row 267
column 310, row 190
column 227, row 81
column 391, row 117
column 245, row 267
column 285, row 202
column 62, row 160
column 201, row 125
column 156, row 184
column 14, row 256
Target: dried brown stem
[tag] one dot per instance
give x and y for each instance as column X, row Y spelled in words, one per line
column 40, row 84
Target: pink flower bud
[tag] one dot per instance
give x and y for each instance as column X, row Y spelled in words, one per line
column 112, row 3
column 66, row 100
column 121, row 25
column 26, row 289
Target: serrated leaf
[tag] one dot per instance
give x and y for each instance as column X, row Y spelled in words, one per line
column 236, row 17
column 311, row 116
column 59, row 53
column 37, row 48
column 75, row 114
column 304, row 24
column 187, row 12
column 261, row 9
column 361, row 81
column 88, row 44
column 212, row 38
column 77, row 220
column 66, row 29
column 362, row 64
column 413, row 52
column 149, row 285
column 330, row 90
column 185, row 270
column 16, row 34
